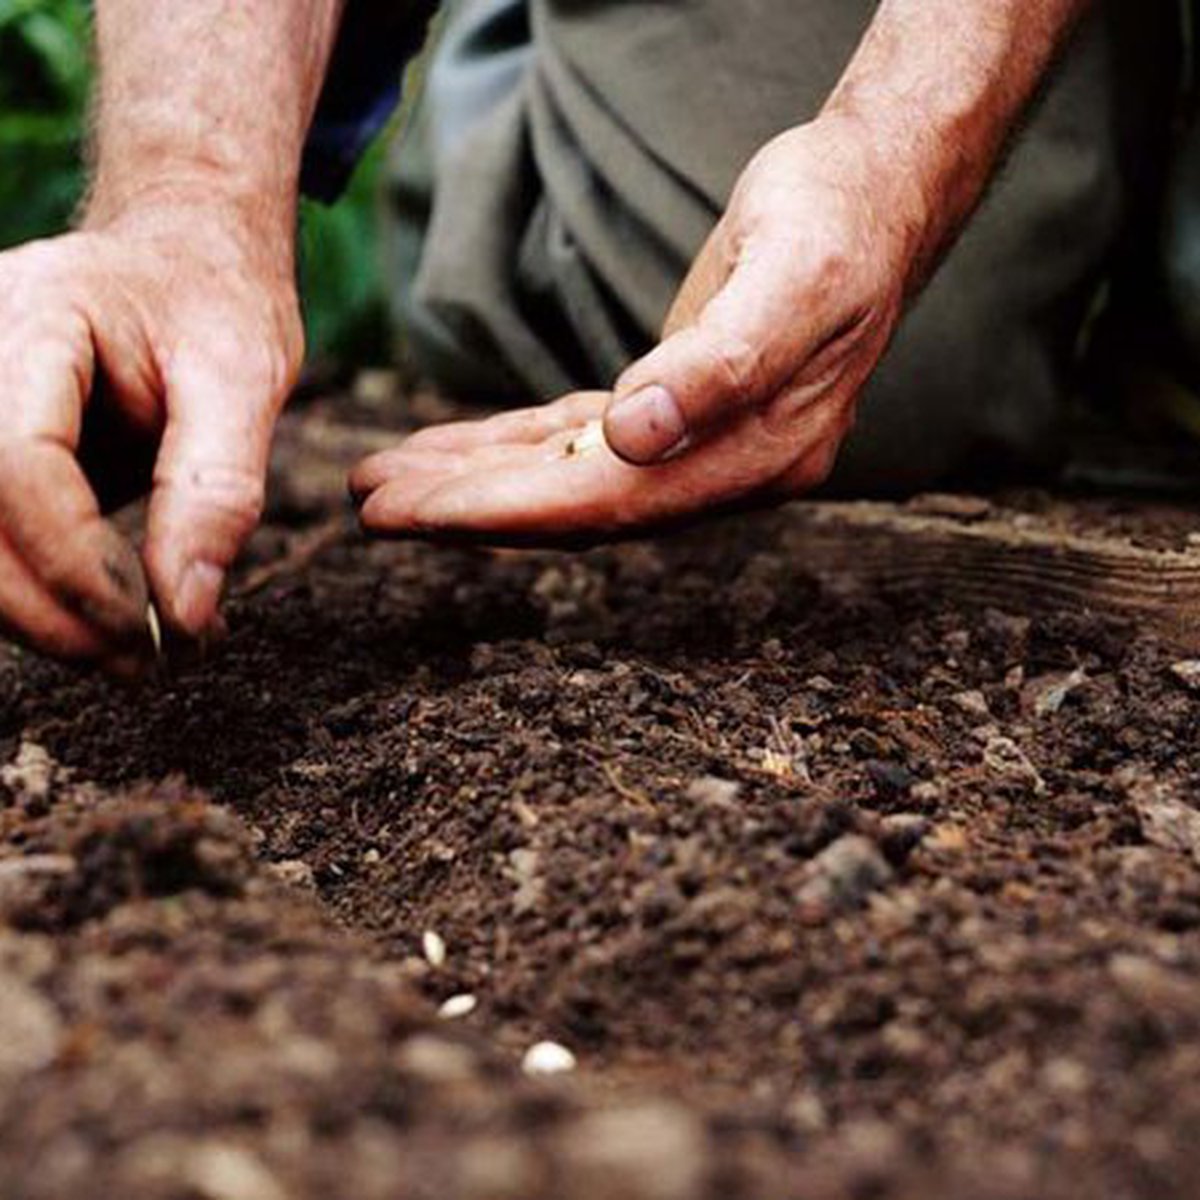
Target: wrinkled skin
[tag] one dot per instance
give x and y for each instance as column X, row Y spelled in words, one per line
column 782, row 319
column 169, row 328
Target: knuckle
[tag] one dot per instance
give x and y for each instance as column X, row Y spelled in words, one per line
column 264, row 366
column 738, row 365
column 830, row 267
column 235, row 495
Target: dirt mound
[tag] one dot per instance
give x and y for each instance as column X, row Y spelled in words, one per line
column 826, row 895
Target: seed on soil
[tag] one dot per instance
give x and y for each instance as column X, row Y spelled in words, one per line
column 433, row 945
column 458, row 1007
column 548, row 1058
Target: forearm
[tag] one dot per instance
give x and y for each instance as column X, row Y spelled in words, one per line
column 208, row 97
column 935, row 88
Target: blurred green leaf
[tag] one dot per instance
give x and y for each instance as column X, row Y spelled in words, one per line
column 45, row 74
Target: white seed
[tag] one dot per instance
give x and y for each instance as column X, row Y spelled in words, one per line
column 155, row 628
column 548, row 1058
column 434, row 947
column 458, row 1007
column 588, row 440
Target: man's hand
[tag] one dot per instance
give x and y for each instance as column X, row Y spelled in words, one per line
column 159, row 341
column 783, row 317
column 172, row 327
column 748, row 397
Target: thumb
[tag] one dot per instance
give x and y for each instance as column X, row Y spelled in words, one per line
column 209, row 486
column 743, row 348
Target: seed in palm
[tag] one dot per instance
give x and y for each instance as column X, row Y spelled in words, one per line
column 587, row 441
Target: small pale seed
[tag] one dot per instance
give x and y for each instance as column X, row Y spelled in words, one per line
column 434, row 947
column 155, row 628
column 458, row 1007
column 587, row 441
column 548, row 1058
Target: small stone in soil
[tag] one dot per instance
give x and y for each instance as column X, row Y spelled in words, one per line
column 32, row 1030
column 293, row 872
column 651, row 1151
column 843, row 876
column 901, row 834
column 1166, row 820
column 957, row 508
column 890, row 779
column 973, row 703
column 713, row 792
column 31, row 773
column 548, row 1058
column 1188, row 673
column 435, row 1060
column 1045, row 697
column 1003, row 756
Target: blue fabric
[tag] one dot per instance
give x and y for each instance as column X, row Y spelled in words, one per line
column 362, row 88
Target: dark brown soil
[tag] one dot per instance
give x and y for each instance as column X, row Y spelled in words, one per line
column 829, row 896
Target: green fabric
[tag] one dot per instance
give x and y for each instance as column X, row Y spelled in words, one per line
column 551, row 219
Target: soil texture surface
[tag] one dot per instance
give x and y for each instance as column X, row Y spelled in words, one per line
column 655, row 873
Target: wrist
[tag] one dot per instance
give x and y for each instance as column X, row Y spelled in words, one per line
column 196, row 202
column 898, row 191
column 936, row 120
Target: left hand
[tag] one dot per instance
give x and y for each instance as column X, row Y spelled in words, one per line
column 783, row 317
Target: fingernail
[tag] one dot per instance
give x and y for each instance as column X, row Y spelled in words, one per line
column 198, row 596
column 646, row 427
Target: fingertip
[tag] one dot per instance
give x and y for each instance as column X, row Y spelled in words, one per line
column 187, row 593
column 197, row 599
column 381, row 511
column 368, row 474
column 646, row 427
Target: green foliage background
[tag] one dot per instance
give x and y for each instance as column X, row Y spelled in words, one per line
column 45, row 77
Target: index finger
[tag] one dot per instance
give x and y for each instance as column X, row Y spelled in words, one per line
column 47, row 508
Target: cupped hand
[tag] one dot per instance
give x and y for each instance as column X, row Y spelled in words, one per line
column 782, row 319
column 172, row 333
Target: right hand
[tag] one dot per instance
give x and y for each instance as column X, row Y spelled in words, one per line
column 175, row 328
